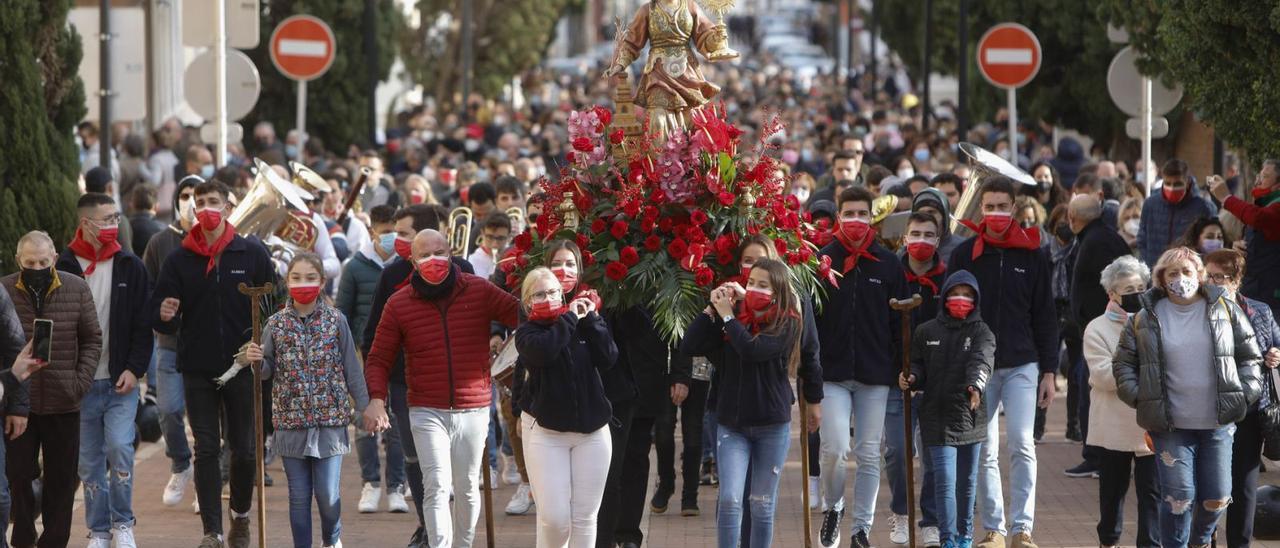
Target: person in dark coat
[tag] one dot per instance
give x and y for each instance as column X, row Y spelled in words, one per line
column 1166, row 216
column 143, row 220
column 951, row 359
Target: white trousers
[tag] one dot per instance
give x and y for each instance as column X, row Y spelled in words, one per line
column 450, row 445
column 567, row 471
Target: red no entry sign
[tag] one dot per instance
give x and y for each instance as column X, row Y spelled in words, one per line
column 1009, row 55
column 302, row 47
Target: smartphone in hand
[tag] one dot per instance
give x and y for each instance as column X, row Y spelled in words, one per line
column 42, row 340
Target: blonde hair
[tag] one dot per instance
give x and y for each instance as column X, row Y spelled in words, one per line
column 531, row 281
column 1172, row 256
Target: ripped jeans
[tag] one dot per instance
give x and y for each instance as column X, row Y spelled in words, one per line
column 106, row 457
column 762, row 450
column 1194, row 467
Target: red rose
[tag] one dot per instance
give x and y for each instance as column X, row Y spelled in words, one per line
column 646, row 225
column 805, row 253
column 524, row 241
column 726, row 199
column 582, row 201
column 568, row 157
column 513, row 280
column 664, row 224
column 618, row 230
column 603, row 114
column 790, row 221
column 582, row 241
column 615, row 270
column 588, row 258
column 582, row 144
column 724, row 244
column 650, row 212
column 507, row 266
column 628, row 256
column 703, row 277
column 522, row 260
column 616, row 137
column 698, row 218
column 631, row 208
column 652, row 243
column 752, row 229
column 792, row 202
column 724, row 257
column 597, row 226
column 781, row 246
column 658, row 197
column 793, row 258
column 677, row 249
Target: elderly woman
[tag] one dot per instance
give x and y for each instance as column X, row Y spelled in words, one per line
column 1113, row 426
column 1189, row 363
column 1225, row 269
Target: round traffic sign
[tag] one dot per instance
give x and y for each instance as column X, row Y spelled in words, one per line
column 1124, row 85
column 243, row 85
column 1009, row 55
column 302, row 47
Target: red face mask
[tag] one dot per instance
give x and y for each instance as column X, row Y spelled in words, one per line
column 855, row 229
column 304, row 294
column 746, row 272
column 1262, row 192
column 403, row 247
column 1173, row 196
column 758, row 300
column 416, row 199
column 209, row 219
column 959, row 307
column 434, row 269
column 921, row 250
column 108, row 235
column 998, row 221
column 547, row 310
column 568, row 280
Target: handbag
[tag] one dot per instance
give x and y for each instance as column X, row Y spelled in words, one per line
column 1269, row 418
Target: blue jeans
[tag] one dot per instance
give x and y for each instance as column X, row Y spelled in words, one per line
column 709, row 433
column 106, row 456
column 762, row 450
column 319, row 477
column 370, row 464
column 895, row 448
column 171, row 403
column 955, row 474
column 864, row 404
column 1016, row 388
column 1194, row 467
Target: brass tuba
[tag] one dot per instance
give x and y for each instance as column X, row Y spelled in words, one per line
column 272, row 210
column 460, row 220
column 983, row 165
column 518, row 223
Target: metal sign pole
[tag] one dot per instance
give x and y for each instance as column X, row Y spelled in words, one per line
column 301, row 121
column 1013, row 126
column 220, row 83
column 1147, row 169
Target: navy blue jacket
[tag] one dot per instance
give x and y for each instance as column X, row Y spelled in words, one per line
column 1265, row 330
column 928, row 308
column 214, row 319
column 1017, row 302
column 564, row 359
column 860, row 335
column 1163, row 223
column 16, row 400
column 752, row 387
column 131, row 341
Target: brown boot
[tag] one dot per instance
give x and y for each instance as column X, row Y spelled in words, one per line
column 992, row 540
column 1022, row 539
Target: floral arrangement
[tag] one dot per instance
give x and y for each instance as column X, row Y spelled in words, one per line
column 660, row 227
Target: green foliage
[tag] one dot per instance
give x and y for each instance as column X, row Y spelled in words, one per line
column 1071, row 88
column 41, row 99
column 510, row 36
column 337, row 102
column 1224, row 52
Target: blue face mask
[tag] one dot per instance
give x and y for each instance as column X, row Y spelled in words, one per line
column 291, row 151
column 388, row 243
column 921, row 155
column 206, row 172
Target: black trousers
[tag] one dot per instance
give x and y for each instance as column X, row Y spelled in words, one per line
column 57, row 437
column 398, row 406
column 1246, row 463
column 1115, row 469
column 611, row 503
column 634, row 481
column 206, row 403
column 664, row 440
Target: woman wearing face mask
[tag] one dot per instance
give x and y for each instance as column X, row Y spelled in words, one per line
column 1027, row 212
column 1225, row 268
column 903, row 168
column 309, row 350
column 1049, row 186
column 802, row 188
column 565, row 412
column 1189, row 363
column 1129, row 220
column 1206, row 235
column 1113, row 426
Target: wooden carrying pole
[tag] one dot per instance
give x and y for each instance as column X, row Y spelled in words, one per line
column 254, row 294
column 905, row 306
column 488, row 495
column 804, row 467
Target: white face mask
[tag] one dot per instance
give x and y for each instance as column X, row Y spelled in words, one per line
column 1131, row 226
column 187, row 209
column 801, row 193
column 1184, row 287
column 906, row 173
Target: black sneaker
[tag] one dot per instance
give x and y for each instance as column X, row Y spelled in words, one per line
column 239, row 535
column 709, row 473
column 1073, row 433
column 830, row 533
column 1082, row 470
column 416, row 541
column 661, row 498
column 860, row 540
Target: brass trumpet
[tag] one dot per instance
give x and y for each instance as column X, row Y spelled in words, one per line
column 460, row 220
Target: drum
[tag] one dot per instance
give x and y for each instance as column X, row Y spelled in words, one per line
column 503, row 368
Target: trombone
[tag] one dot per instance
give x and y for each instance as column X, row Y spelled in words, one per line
column 460, row 220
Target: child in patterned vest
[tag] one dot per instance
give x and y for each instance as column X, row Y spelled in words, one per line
column 308, row 348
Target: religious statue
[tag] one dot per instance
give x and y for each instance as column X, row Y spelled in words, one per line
column 671, row 85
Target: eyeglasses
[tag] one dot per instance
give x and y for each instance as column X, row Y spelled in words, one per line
column 113, row 219
column 1220, row 278
column 546, row 294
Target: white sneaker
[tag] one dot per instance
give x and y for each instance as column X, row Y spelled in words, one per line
column 99, row 542
column 195, row 506
column 929, row 537
column 177, row 487
column 815, row 492
column 521, row 502
column 370, row 496
column 124, row 537
column 335, row 545
column 511, row 472
column 395, row 501
column 899, row 525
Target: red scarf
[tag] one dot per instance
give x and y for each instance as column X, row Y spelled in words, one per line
column 752, row 322
column 857, row 252
column 196, row 242
column 85, row 251
column 926, row 279
column 1016, row 238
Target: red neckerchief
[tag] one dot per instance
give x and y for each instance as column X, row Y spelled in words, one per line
column 84, row 250
column 855, row 253
column 406, row 281
column 1016, row 238
column 196, row 242
column 926, row 279
column 752, row 322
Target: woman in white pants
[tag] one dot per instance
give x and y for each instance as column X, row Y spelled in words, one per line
column 565, row 412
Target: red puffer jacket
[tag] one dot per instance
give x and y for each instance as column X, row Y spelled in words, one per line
column 445, row 342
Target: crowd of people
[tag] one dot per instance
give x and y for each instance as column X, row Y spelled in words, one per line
column 1156, row 310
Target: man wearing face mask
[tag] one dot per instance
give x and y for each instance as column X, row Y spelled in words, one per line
column 1260, row 213
column 48, row 437
column 846, row 165
column 197, row 299
column 1167, row 214
column 442, row 322
column 198, row 161
column 120, row 287
column 1018, row 306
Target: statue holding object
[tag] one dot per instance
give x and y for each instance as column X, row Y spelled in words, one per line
column 671, row 85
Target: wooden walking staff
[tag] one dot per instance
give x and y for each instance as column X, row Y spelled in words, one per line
column 804, row 466
column 488, row 495
column 905, row 306
column 254, row 294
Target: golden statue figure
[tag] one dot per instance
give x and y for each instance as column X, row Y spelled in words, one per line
column 671, row 85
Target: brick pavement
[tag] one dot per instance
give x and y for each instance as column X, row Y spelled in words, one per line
column 1066, row 509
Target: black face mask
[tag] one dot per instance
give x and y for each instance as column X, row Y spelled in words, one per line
column 37, row 280
column 1131, row 303
column 1064, row 233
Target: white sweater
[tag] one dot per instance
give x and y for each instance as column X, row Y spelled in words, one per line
column 1112, row 424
